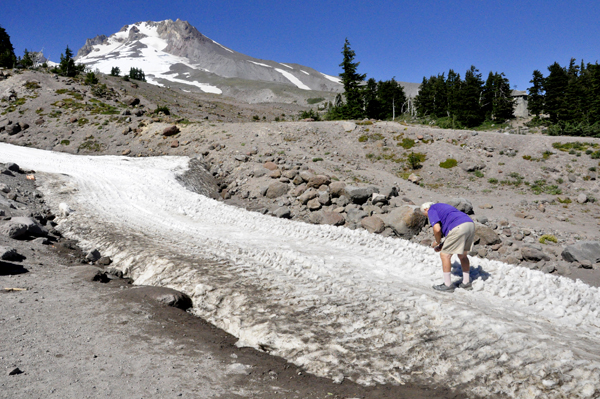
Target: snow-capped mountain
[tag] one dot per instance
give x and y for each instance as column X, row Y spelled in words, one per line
column 174, row 53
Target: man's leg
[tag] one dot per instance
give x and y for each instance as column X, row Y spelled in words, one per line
column 466, row 267
column 447, row 268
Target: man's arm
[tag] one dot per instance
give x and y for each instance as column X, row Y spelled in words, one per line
column 437, row 233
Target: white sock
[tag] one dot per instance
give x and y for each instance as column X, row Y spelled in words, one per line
column 448, row 279
column 466, row 278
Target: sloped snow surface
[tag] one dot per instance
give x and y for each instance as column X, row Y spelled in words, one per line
column 341, row 303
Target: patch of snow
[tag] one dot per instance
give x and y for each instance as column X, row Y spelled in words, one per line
column 223, row 47
column 285, row 65
column 304, row 72
column 332, row 78
column 336, row 301
column 205, row 87
column 258, row 63
column 293, row 79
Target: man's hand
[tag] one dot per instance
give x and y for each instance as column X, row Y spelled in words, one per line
column 437, row 247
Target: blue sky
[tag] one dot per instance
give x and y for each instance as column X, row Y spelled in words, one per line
column 402, row 39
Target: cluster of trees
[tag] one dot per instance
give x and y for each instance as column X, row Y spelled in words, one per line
column 7, row 52
column 377, row 100
column 468, row 102
column 568, row 98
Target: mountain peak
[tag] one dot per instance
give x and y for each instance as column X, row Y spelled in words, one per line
column 176, row 53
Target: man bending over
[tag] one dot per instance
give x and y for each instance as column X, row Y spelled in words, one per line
column 459, row 232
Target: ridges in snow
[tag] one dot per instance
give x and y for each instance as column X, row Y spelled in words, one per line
column 342, row 303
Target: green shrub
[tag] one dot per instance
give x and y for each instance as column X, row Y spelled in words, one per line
column 317, row 159
column 449, row 163
column 90, row 79
column 415, row 159
column 565, row 200
column 164, row 109
column 31, row 85
column 527, row 157
column 492, row 180
column 256, row 118
column 478, row 173
column 407, row 144
column 548, row 238
column 315, row 100
column 65, row 142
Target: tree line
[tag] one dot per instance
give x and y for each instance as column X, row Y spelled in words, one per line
column 466, row 102
column 568, row 99
column 373, row 99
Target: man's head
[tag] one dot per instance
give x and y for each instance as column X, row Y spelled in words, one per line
column 425, row 207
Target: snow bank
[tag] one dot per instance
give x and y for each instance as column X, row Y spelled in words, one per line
column 341, row 303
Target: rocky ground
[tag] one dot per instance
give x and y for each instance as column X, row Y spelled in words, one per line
column 534, row 197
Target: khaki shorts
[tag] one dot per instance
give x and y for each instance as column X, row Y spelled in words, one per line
column 460, row 239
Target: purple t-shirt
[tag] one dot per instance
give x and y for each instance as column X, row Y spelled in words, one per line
column 448, row 216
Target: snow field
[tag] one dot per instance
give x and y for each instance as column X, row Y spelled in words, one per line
column 341, row 303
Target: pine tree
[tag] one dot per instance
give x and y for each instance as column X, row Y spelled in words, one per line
column 372, row 105
column 67, row 65
column 26, row 61
column 535, row 102
column 453, row 84
column 351, row 80
column 498, row 103
column 440, row 96
column 115, row 71
column 424, row 99
column 391, row 97
column 470, row 112
column 555, row 86
column 7, row 52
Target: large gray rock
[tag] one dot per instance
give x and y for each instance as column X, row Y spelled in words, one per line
column 485, row 235
column 7, row 253
column 13, row 129
column 33, row 227
column 462, row 204
column 360, row 195
column 164, row 296
column 585, row 250
column 326, row 217
column 406, row 221
column 355, row 215
column 336, row 188
column 531, row 254
column 308, row 195
column 276, row 189
column 13, row 230
column 318, row 180
column 373, row 224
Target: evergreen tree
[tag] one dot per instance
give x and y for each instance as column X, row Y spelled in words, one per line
column 351, row 80
column 555, row 86
column 424, row 99
column 453, row 84
column 26, row 61
column 115, row 71
column 535, row 102
column 391, row 98
column 67, row 65
column 440, row 98
column 7, row 52
column 137, row 74
column 498, row 103
column 372, row 105
column 470, row 111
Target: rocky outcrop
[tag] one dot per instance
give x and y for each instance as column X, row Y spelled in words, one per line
column 405, row 221
column 585, row 250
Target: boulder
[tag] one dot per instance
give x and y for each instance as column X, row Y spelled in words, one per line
column 32, row 227
column 93, row 255
column 270, row 166
column 306, row 175
column 298, row 190
column 582, row 198
column 163, row 295
column 283, row 212
column 462, row 204
column 276, row 189
column 318, row 180
column 170, row 131
column 531, row 254
column 324, row 198
column 584, row 250
column 389, row 192
column 379, row 199
column 336, row 188
column 327, row 217
column 313, row 204
column 355, row 215
column 472, row 167
column 13, row 129
column 131, row 101
column 307, row 196
column 484, row 235
column 348, row 126
column 359, row 195
column 373, row 224
column 413, row 178
column 7, row 253
column 13, row 230
column 406, row 221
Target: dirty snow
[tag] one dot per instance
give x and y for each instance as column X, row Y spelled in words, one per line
column 342, row 303
column 332, row 78
column 261, row 64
